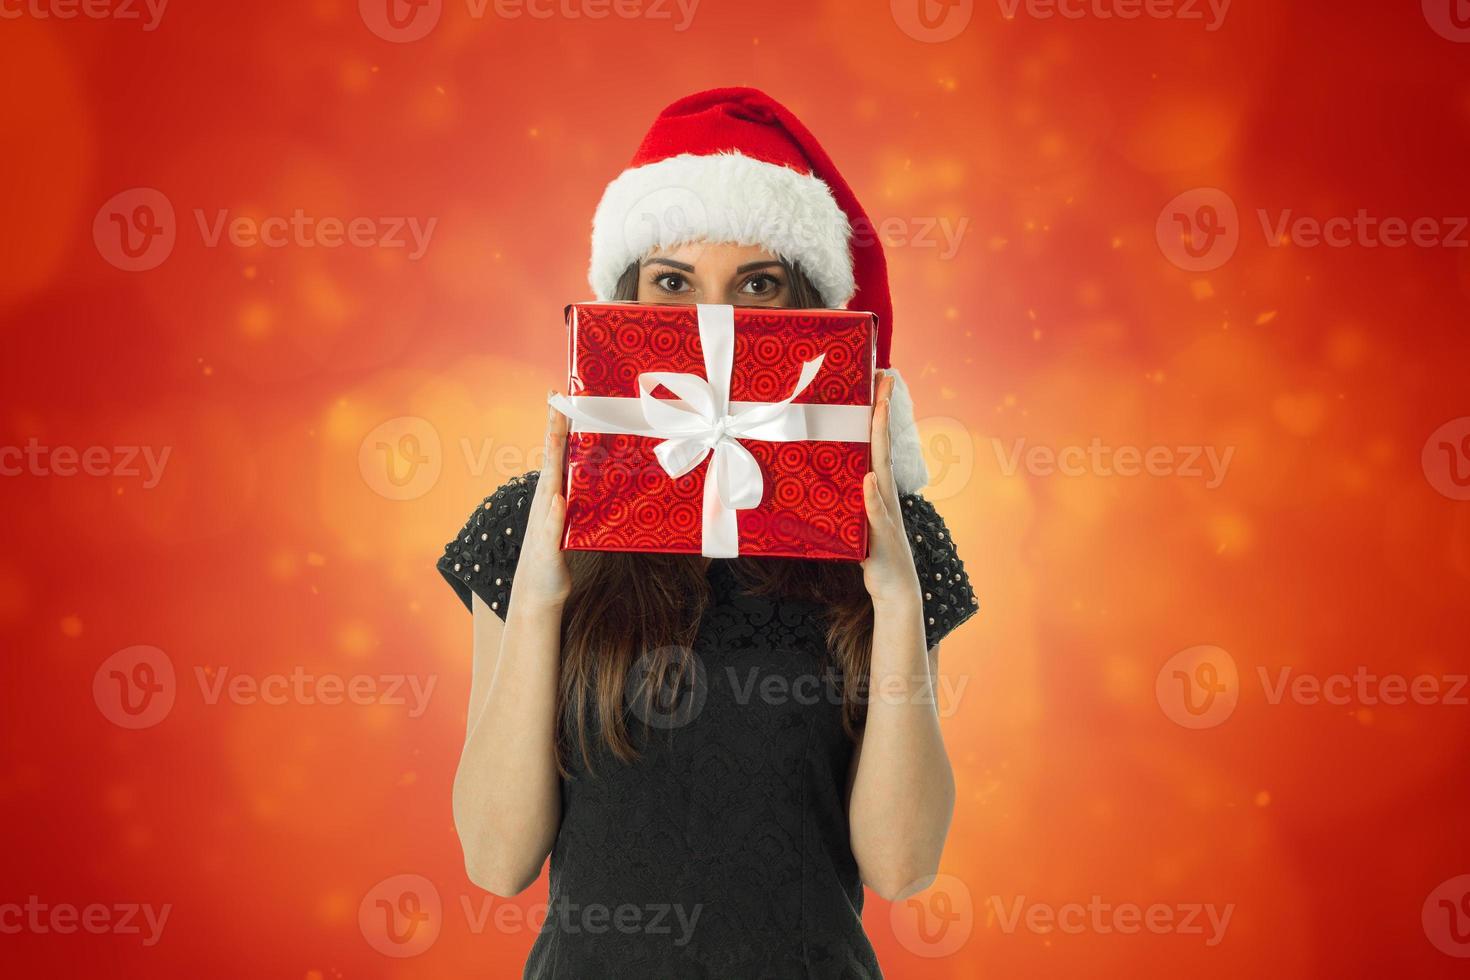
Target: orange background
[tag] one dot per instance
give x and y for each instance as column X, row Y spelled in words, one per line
column 273, row 540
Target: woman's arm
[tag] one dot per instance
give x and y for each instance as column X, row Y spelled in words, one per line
column 507, row 794
column 902, row 790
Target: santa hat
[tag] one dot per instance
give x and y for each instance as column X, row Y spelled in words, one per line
column 733, row 165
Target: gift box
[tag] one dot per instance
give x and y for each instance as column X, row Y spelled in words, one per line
column 718, row 430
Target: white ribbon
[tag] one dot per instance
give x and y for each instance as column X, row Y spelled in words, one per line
column 703, row 421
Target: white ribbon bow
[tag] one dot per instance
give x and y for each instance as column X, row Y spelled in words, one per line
column 703, row 421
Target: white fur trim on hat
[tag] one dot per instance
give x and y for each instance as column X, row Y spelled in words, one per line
column 722, row 198
column 910, row 471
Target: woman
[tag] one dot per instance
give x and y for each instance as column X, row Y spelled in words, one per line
column 716, row 754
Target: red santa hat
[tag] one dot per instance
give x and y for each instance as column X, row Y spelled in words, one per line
column 733, row 165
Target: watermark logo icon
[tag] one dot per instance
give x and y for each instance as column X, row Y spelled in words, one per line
column 667, row 697
column 1199, row 230
column 1198, row 687
column 937, row 921
column 401, row 21
column 1446, row 917
column 664, row 217
column 1446, row 459
column 932, row 21
column 135, row 230
column 135, row 687
column 401, row 459
column 401, row 916
column 1450, row 19
column 949, row 452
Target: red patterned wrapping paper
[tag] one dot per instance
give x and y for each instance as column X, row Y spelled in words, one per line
column 620, row 499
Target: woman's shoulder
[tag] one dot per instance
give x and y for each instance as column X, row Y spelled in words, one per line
column 504, row 510
column 481, row 558
column 518, row 484
column 949, row 597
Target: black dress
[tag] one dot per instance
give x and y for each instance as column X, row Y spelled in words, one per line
column 723, row 851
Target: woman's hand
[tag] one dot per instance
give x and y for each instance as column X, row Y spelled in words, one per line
column 888, row 571
column 542, row 577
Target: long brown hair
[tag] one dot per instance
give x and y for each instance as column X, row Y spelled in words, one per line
column 634, row 617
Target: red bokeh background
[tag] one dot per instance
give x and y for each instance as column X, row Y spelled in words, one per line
column 332, row 414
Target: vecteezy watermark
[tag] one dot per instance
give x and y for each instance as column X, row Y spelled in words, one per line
column 678, row 12
column 301, row 687
column 1446, row 459
column 1362, row 229
column 666, row 687
column 755, row 686
column 1446, row 917
column 96, row 918
column 1211, row 13
column 675, row 921
column 1362, row 687
column 403, row 915
column 1450, row 19
column 928, row 231
column 1200, row 687
column 932, row 21
column 128, row 462
column 949, row 452
column 401, row 21
column 403, row 458
column 136, row 230
column 1200, row 229
column 147, row 12
column 137, row 687
column 670, row 691
column 1204, row 919
column 676, row 215
column 302, row 230
column 1096, row 459
column 937, row 921
column 936, row 21
column 405, row 21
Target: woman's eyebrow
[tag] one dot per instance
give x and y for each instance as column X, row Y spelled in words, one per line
column 683, row 266
column 752, row 266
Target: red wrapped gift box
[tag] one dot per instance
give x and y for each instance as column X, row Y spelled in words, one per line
column 661, row 457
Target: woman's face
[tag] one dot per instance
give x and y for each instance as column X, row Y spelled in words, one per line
column 736, row 275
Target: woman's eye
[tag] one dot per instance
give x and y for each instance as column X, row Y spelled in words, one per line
column 761, row 285
column 671, row 282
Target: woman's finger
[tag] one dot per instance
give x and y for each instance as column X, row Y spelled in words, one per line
column 554, row 520
column 873, row 501
column 548, row 482
column 880, row 524
column 555, row 452
column 882, row 447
